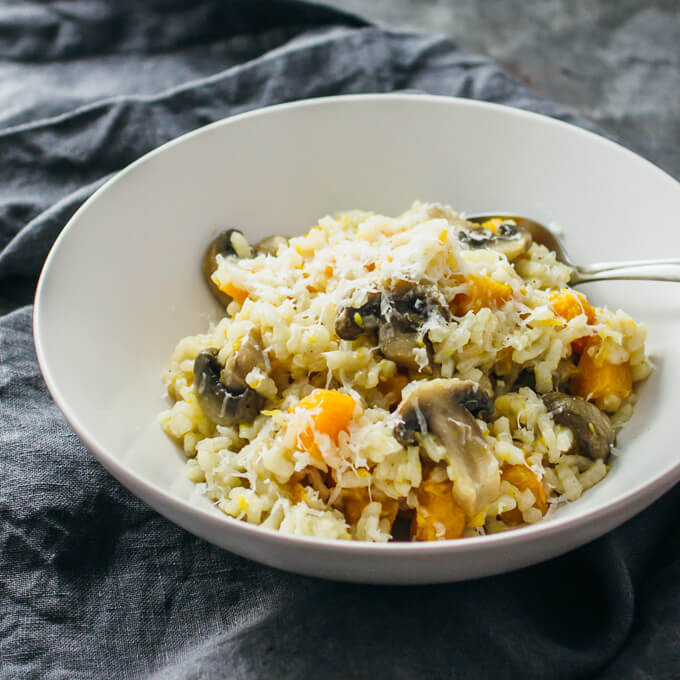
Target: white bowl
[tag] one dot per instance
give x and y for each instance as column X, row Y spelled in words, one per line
column 122, row 285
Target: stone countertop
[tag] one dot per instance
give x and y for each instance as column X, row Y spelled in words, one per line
column 616, row 62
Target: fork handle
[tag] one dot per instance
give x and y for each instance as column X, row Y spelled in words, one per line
column 642, row 270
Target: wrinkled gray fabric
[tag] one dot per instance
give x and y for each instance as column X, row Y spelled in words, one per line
column 94, row 584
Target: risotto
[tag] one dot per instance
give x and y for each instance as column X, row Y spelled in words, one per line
column 420, row 377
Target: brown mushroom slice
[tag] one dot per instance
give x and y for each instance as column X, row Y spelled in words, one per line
column 398, row 314
column 223, row 394
column 404, row 308
column 403, row 346
column 248, row 356
column 353, row 322
column 442, row 408
column 230, row 242
column 593, row 432
column 510, row 239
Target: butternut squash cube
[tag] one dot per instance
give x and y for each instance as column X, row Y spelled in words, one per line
column 597, row 379
column 482, row 291
column 568, row 304
column 328, row 412
column 438, row 516
column 356, row 499
column 523, row 478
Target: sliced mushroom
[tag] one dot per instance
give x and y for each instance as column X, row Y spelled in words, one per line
column 593, row 433
column 223, row 394
column 270, row 245
column 399, row 314
column 438, row 396
column 404, row 309
column 444, row 408
column 230, row 242
column 405, row 347
column 353, row 322
column 510, row 239
column 248, row 356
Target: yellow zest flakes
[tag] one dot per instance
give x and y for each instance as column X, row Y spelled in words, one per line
column 547, row 321
column 492, row 224
column 255, row 381
column 316, row 226
column 358, row 320
column 242, row 504
column 478, row 520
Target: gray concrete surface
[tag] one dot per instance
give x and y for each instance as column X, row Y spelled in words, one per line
column 616, row 62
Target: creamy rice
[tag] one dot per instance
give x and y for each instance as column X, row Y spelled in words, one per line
column 325, row 447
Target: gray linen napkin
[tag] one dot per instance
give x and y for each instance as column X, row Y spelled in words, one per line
column 94, row 584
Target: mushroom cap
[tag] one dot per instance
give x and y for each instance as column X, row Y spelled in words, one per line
column 248, row 356
column 399, row 314
column 220, row 245
column 404, row 309
column 353, row 322
column 593, row 432
column 222, row 394
column 401, row 344
column 510, row 239
column 437, row 407
column 440, row 395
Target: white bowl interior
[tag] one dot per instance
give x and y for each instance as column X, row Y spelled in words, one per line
column 123, row 282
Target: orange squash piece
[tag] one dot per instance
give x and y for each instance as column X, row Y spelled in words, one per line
column 568, row 304
column 329, row 412
column 237, row 293
column 437, row 516
column 357, row 498
column 597, row 379
column 523, row 478
column 482, row 291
